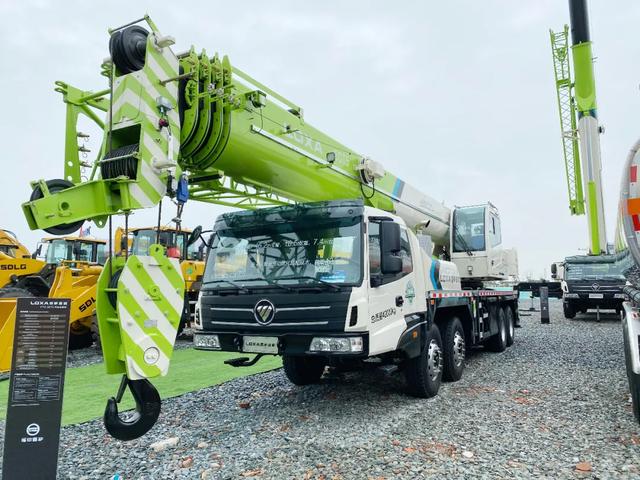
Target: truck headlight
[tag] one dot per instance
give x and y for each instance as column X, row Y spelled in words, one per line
column 337, row 344
column 619, row 295
column 211, row 342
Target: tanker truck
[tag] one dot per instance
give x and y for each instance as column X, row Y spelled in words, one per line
column 347, row 260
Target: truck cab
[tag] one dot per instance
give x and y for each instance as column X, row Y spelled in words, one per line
column 328, row 283
column 592, row 282
column 476, row 240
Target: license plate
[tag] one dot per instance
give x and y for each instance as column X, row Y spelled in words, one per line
column 260, row 344
column 596, row 295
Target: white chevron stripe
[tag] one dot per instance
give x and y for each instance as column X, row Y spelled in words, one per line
column 168, row 290
column 139, row 196
column 127, row 96
column 153, row 178
column 141, row 339
column 150, row 308
column 154, row 93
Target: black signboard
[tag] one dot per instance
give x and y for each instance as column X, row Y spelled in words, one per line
column 34, row 411
column 544, row 305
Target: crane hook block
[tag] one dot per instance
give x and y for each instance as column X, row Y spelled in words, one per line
column 146, row 413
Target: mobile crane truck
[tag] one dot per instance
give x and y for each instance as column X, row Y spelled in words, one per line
column 593, row 281
column 377, row 275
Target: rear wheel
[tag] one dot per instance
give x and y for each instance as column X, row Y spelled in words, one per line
column 81, row 340
column 303, row 370
column 453, row 350
column 569, row 310
column 424, row 372
column 498, row 343
column 511, row 325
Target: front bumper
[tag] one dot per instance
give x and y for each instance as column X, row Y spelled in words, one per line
column 608, row 300
column 288, row 343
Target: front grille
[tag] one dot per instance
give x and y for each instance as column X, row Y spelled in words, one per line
column 304, row 311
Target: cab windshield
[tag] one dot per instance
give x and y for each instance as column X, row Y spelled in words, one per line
column 58, row 250
column 594, row 271
column 143, row 239
column 287, row 254
column 468, row 228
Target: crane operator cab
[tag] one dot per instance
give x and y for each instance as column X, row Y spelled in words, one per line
column 476, row 244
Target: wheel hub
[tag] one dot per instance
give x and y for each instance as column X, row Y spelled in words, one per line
column 434, row 360
column 458, row 349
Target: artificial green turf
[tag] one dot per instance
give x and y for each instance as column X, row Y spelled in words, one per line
column 86, row 389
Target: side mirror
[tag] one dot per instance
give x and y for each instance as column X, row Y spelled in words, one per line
column 554, row 270
column 195, row 235
column 38, row 251
column 390, row 261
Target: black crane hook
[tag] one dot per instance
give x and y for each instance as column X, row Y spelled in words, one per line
column 139, row 422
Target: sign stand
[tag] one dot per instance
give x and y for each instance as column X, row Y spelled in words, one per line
column 34, row 411
column 544, row 305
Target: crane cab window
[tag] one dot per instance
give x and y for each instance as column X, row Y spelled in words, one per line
column 468, row 229
column 495, row 236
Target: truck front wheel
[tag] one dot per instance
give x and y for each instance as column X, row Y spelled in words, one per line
column 569, row 310
column 424, row 372
column 453, row 350
column 303, row 370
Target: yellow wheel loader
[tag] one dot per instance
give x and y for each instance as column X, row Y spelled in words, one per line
column 179, row 243
column 61, row 267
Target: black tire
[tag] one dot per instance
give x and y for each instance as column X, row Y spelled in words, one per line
column 634, row 378
column 185, row 318
column 511, row 325
column 80, row 341
column 303, row 370
column 498, row 343
column 424, row 372
column 569, row 310
column 95, row 333
column 54, row 186
column 15, row 292
column 454, row 350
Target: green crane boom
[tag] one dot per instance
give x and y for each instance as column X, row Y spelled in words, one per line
column 568, row 125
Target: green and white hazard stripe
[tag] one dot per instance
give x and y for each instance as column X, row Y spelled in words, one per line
column 135, row 101
column 150, row 302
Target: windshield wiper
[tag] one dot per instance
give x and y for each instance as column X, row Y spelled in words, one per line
column 309, row 277
column 234, row 284
column 284, row 287
column 464, row 243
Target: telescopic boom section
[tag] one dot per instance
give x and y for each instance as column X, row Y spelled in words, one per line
column 588, row 128
column 239, row 144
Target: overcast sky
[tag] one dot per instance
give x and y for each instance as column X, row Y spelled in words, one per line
column 455, row 97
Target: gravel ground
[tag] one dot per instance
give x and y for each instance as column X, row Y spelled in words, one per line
column 553, row 404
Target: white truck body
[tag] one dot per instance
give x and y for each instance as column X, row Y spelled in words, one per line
column 376, row 315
